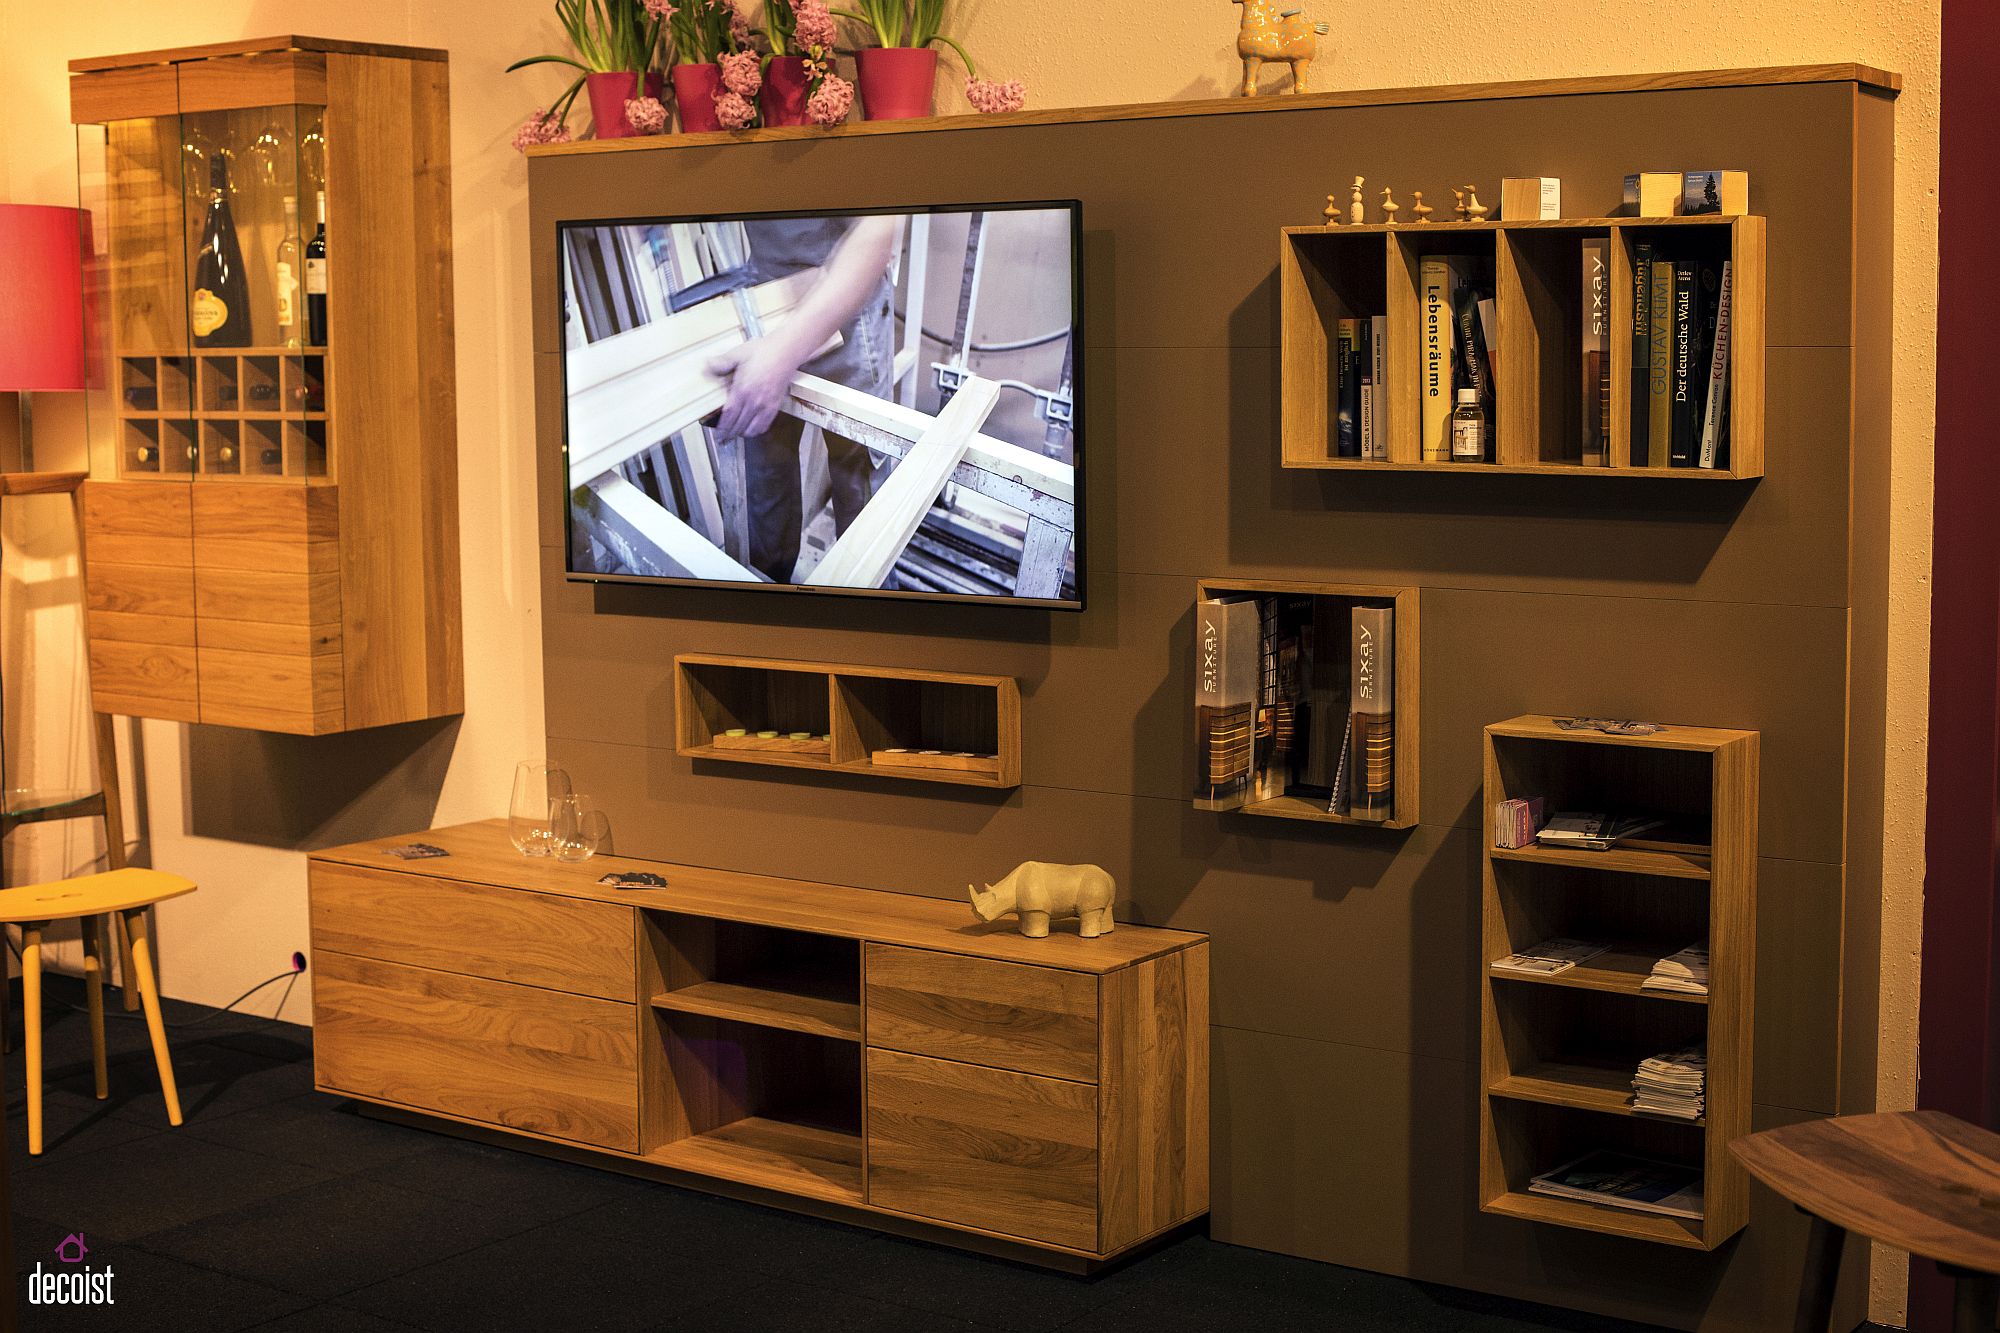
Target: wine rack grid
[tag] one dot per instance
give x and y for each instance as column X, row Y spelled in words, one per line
column 199, row 414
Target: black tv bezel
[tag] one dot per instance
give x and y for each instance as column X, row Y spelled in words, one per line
column 1077, row 377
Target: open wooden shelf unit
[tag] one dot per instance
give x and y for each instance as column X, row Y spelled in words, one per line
column 892, row 722
column 1558, row 1052
column 1309, row 809
column 1327, row 274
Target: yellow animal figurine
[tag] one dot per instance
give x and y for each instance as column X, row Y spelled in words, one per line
column 1269, row 33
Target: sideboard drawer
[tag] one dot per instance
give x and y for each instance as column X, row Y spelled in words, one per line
column 1040, row 1020
column 534, row 939
column 1010, row 1153
column 515, row 1056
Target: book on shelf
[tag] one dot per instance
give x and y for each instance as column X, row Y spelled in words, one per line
column 1341, row 801
column 1227, row 634
column 1713, row 452
column 1550, row 957
column 1687, row 316
column 1683, row 973
column 1621, row 1180
column 1375, row 428
column 1673, row 1085
column 1471, row 364
column 1593, row 832
column 1276, row 728
column 1435, row 325
column 1642, row 343
column 1516, row 822
column 1726, row 193
column 1319, row 626
column 1347, row 390
column 1596, row 418
column 1660, row 364
column 1371, row 763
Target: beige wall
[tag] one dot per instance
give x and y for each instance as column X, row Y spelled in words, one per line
column 241, row 842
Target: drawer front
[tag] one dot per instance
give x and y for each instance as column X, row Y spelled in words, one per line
column 269, row 595
column 514, row 1056
column 148, row 590
column 300, row 690
column 295, row 514
column 138, row 523
column 1039, row 1020
column 533, row 939
column 1009, row 1153
column 143, row 680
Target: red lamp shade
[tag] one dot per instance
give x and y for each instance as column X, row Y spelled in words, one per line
column 41, row 297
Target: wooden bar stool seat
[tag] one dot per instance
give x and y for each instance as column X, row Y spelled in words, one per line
column 1921, row 1181
column 91, row 900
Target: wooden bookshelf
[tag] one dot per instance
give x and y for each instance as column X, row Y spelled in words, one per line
column 972, row 722
column 1558, row 1052
column 1327, row 274
column 1313, row 810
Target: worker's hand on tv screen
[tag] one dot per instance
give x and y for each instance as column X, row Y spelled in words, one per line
column 760, row 375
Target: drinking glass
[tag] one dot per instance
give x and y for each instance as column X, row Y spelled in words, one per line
column 575, row 830
column 535, row 786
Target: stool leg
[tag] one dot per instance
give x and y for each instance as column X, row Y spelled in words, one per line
column 93, row 995
column 149, row 999
column 1822, row 1275
column 124, row 934
column 31, row 1020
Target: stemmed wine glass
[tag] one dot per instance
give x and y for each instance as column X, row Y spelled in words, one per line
column 536, row 787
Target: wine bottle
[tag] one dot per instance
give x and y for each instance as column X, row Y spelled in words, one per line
column 288, row 274
column 316, row 280
column 143, row 454
column 220, row 307
column 270, row 458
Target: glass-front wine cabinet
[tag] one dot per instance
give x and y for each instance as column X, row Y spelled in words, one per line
column 271, row 525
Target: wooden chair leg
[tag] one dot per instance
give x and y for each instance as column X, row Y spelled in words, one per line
column 93, row 995
column 149, row 999
column 1822, row 1275
column 124, row 933
column 31, row 1019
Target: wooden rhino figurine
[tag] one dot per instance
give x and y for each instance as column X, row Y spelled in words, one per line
column 1041, row 891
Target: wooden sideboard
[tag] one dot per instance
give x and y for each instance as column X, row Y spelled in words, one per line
column 837, row 1049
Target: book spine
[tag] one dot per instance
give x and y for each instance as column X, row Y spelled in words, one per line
column 1715, row 407
column 1470, row 366
column 1686, row 353
column 1642, row 335
column 1660, row 364
column 1378, row 359
column 1371, row 764
column 1227, row 635
column 1434, row 321
column 1348, row 401
column 1596, row 350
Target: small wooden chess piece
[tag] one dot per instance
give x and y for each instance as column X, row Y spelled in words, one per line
column 1420, row 211
column 1459, row 195
column 1389, row 205
column 1357, row 212
column 1332, row 213
column 1473, row 208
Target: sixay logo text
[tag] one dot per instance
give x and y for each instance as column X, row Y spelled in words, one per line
column 75, row 1283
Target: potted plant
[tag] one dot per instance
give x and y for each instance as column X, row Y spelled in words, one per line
column 899, row 76
column 615, row 45
column 715, row 74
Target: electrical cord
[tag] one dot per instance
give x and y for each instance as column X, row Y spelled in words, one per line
column 290, row 976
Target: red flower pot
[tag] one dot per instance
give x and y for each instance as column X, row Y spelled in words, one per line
column 897, row 82
column 783, row 97
column 695, row 89
column 608, row 95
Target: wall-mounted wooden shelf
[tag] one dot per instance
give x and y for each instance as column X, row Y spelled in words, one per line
column 1559, row 1051
column 1313, row 809
column 972, row 723
column 1327, row 274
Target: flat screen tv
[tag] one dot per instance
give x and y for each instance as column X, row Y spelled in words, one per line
column 875, row 403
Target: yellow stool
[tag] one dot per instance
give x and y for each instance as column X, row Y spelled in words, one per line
column 90, row 900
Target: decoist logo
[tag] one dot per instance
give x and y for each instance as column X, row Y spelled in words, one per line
column 77, row 1285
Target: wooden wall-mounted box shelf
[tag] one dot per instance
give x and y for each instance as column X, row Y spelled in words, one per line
column 1558, row 1052
column 1407, row 692
column 922, row 726
column 1327, row 274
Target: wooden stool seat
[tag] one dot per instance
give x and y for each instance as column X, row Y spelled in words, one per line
column 1921, row 1181
column 91, row 900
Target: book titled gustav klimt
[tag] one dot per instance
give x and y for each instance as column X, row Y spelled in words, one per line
column 1227, row 651
column 1371, row 760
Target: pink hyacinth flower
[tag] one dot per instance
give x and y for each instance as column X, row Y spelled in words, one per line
column 646, row 115
column 742, row 73
column 831, row 102
column 994, row 97
column 540, row 128
column 739, row 28
column 663, row 10
column 734, row 111
column 814, row 31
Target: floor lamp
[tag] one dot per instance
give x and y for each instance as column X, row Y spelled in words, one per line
column 41, row 318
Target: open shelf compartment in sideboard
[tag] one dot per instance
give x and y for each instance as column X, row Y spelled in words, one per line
column 757, row 974
column 1325, row 275
column 923, row 726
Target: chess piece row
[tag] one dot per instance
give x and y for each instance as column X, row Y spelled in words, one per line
column 1468, row 205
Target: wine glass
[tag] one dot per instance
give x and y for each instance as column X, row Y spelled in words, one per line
column 535, row 786
column 575, row 830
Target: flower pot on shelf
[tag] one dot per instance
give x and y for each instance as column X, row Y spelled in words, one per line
column 897, row 82
column 783, row 96
column 695, row 89
column 608, row 95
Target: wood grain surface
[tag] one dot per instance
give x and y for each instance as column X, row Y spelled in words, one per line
column 1037, row 1020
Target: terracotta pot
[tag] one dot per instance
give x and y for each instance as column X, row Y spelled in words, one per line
column 695, row 89
column 783, row 97
column 608, row 95
column 897, row 82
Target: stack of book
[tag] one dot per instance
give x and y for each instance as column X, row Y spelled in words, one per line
column 1360, row 426
column 1619, row 1180
column 1516, row 822
column 1593, row 832
column 1685, row 973
column 1549, row 957
column 1674, row 1085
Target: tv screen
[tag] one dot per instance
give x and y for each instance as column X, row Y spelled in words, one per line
column 866, row 403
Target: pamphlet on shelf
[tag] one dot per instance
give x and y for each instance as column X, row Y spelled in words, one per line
column 1593, row 832
column 1684, row 973
column 1550, row 957
column 1619, row 1180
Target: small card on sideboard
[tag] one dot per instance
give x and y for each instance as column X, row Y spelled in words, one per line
column 417, row 851
column 633, row 879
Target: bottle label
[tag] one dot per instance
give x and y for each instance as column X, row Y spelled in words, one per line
column 287, row 285
column 315, row 277
column 1468, row 439
column 207, row 312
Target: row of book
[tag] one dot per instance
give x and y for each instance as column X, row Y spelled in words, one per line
column 1295, row 696
column 1680, row 336
column 1360, row 349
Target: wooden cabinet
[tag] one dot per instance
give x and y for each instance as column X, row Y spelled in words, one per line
column 272, row 526
column 870, row 1051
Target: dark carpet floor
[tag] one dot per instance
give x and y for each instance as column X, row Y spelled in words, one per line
column 275, row 1207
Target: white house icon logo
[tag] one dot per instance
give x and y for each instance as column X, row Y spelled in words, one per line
column 81, row 1285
